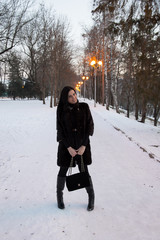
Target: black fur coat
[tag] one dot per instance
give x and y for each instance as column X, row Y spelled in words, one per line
column 74, row 126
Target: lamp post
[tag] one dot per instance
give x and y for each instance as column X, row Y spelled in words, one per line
column 80, row 86
column 84, row 78
column 96, row 64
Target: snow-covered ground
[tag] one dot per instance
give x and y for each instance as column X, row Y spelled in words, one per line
column 125, row 172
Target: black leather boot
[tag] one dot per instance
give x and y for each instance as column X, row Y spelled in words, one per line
column 91, row 196
column 60, row 187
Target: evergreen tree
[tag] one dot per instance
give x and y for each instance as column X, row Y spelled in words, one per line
column 15, row 79
column 2, row 89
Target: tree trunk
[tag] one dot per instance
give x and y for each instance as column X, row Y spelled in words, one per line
column 136, row 111
column 51, row 86
column 155, row 121
column 143, row 111
column 156, row 114
column 55, row 88
column 114, row 85
column 51, row 99
column 55, row 101
column 43, row 95
column 114, row 94
column 103, row 85
column 128, row 106
column 105, row 69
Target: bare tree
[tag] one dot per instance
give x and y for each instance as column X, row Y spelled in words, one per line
column 60, row 58
column 13, row 17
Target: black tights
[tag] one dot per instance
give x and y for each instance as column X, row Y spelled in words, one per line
column 63, row 170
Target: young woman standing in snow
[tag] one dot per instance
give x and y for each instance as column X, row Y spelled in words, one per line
column 74, row 126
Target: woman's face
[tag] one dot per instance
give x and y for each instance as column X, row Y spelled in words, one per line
column 72, row 97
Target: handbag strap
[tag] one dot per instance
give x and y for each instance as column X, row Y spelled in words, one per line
column 82, row 164
column 71, row 165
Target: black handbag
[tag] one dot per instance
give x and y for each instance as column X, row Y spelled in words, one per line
column 78, row 180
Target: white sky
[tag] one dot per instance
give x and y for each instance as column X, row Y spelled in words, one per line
column 78, row 14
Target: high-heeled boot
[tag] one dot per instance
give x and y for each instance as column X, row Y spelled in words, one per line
column 60, row 188
column 91, row 196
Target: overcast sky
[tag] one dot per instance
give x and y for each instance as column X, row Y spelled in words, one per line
column 77, row 12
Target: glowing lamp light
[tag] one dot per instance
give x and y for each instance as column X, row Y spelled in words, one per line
column 77, row 89
column 80, row 83
column 100, row 63
column 85, row 78
column 96, row 64
column 93, row 62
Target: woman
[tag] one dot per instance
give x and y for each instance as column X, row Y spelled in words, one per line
column 74, row 125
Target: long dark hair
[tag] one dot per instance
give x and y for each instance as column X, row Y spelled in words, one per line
column 63, row 101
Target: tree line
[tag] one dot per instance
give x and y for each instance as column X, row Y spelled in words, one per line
column 126, row 37
column 36, row 52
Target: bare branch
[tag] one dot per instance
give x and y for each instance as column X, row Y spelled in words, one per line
column 13, row 17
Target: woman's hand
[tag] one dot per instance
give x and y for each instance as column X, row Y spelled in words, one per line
column 81, row 150
column 72, row 151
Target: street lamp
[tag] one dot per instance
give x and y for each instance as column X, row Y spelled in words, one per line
column 84, row 78
column 96, row 64
column 78, row 86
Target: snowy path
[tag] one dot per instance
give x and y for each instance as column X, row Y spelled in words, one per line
column 126, row 178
